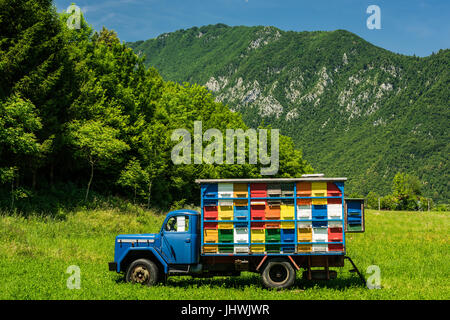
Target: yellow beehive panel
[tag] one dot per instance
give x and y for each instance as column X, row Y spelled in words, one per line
column 210, row 249
column 225, row 225
column 287, row 225
column 258, row 235
column 258, row 248
column 319, row 189
column 287, row 211
column 304, row 234
column 304, row 248
column 211, row 235
column 225, row 212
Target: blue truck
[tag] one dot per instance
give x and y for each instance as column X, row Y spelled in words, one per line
column 274, row 227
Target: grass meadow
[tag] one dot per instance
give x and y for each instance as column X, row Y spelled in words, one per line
column 410, row 248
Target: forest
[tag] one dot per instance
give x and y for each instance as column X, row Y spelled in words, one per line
column 83, row 121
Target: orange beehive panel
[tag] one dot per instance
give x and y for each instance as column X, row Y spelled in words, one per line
column 304, row 189
column 273, row 210
column 273, row 225
column 304, row 202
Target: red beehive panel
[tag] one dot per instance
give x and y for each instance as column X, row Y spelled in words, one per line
column 257, row 225
column 333, row 190
column 258, row 210
column 335, row 247
column 335, row 234
column 210, row 212
column 258, row 190
column 210, row 225
column 334, row 201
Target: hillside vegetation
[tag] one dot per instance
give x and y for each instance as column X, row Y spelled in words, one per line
column 355, row 109
column 35, row 252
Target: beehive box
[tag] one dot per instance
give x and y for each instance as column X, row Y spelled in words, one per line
column 300, row 216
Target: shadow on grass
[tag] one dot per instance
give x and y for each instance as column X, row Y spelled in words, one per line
column 248, row 280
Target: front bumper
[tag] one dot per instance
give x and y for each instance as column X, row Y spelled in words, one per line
column 112, row 266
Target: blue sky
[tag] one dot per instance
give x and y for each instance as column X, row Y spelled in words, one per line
column 409, row 27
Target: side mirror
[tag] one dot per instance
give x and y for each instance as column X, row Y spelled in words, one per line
column 354, row 215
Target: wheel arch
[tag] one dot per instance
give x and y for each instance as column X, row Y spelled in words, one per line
column 276, row 259
column 134, row 254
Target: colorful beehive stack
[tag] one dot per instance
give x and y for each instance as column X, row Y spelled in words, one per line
column 311, row 224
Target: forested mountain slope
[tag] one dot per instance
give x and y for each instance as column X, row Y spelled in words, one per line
column 355, row 109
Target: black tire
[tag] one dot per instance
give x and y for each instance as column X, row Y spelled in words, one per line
column 142, row 271
column 278, row 274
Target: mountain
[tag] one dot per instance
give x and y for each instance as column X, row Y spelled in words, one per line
column 355, row 109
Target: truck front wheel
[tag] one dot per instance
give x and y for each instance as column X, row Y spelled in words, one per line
column 278, row 274
column 142, row 271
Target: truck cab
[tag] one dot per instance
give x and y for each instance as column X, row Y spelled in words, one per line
column 148, row 258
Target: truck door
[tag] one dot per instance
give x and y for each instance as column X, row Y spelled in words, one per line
column 176, row 239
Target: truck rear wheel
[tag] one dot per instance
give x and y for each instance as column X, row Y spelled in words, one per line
column 278, row 274
column 142, row 271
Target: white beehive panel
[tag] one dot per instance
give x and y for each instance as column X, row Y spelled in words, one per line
column 320, row 235
column 241, row 235
column 240, row 249
column 334, row 211
column 334, row 224
column 225, row 190
column 304, row 211
column 320, row 247
column 304, row 224
column 225, row 203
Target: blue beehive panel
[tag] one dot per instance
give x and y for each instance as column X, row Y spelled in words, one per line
column 287, row 235
column 241, row 212
column 209, row 190
column 288, row 248
column 319, row 223
column 354, row 219
column 208, row 202
column 240, row 224
column 354, row 207
column 354, row 212
column 319, row 211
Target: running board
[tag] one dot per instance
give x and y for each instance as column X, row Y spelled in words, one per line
column 179, row 269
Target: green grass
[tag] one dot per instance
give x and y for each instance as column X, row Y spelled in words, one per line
column 411, row 249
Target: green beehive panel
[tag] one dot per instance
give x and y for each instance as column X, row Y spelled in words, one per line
column 354, row 227
column 226, row 248
column 273, row 248
column 273, row 235
column 225, row 235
